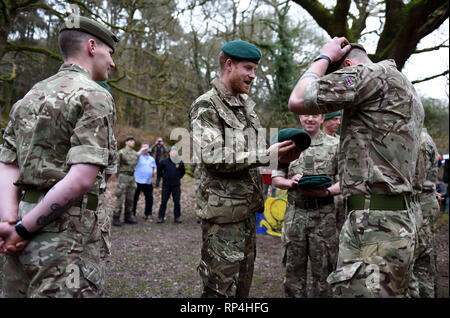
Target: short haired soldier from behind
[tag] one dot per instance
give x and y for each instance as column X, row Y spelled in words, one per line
column 380, row 134
column 57, row 146
column 232, row 190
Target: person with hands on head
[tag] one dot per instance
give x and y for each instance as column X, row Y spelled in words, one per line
column 309, row 230
column 379, row 144
column 56, row 149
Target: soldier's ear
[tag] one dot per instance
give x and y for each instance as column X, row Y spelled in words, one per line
column 228, row 65
column 91, row 47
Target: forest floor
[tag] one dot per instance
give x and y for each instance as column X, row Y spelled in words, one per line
column 151, row 260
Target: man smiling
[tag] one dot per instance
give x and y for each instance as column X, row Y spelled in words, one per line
column 230, row 190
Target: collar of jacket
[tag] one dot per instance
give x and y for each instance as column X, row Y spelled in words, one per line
column 74, row 68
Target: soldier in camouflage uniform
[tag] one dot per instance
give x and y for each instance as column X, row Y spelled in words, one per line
column 380, row 134
column 330, row 127
column 309, row 229
column 426, row 207
column 57, row 146
column 126, row 185
column 230, row 190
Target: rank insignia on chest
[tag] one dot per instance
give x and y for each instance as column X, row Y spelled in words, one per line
column 349, row 81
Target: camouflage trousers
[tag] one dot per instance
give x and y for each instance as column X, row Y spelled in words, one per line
column 308, row 234
column 227, row 258
column 126, row 187
column 376, row 254
column 62, row 260
column 340, row 212
column 104, row 221
column 424, row 269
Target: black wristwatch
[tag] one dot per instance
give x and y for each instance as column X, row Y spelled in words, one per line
column 321, row 56
column 22, row 231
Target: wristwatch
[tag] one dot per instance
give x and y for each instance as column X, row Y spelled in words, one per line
column 321, row 56
column 22, row 231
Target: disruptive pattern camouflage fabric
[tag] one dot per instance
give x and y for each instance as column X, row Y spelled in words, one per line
column 63, row 120
column 310, row 233
column 229, row 192
column 379, row 145
column 126, row 184
column 427, row 209
column 231, row 188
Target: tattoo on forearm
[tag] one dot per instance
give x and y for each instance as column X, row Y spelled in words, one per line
column 310, row 75
column 56, row 211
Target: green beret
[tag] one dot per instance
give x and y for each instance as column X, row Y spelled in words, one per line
column 129, row 138
column 242, row 50
column 317, row 181
column 332, row 115
column 301, row 138
column 103, row 84
column 83, row 24
column 335, row 65
column 172, row 148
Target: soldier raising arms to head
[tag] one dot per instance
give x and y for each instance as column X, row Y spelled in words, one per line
column 380, row 133
column 58, row 144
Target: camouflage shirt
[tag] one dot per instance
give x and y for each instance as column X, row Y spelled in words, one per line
column 431, row 154
column 319, row 158
column 380, row 131
column 127, row 161
column 63, row 120
column 230, row 187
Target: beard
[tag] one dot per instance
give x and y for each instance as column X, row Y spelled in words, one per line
column 238, row 85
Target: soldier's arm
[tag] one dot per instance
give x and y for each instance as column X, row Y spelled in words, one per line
column 283, row 183
column 60, row 198
column 208, row 137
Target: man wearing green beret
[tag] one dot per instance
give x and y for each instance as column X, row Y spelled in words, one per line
column 231, row 189
column 58, row 147
column 380, row 137
column 331, row 123
column 309, row 230
column 126, row 185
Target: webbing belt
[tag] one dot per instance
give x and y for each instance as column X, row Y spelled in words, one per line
column 33, row 195
column 379, row 202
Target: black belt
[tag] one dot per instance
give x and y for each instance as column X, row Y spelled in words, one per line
column 310, row 204
column 33, row 195
column 379, row 202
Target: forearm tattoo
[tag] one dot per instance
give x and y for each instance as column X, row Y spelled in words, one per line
column 310, row 75
column 56, row 211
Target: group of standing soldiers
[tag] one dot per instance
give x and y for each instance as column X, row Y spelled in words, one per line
column 369, row 234
column 59, row 147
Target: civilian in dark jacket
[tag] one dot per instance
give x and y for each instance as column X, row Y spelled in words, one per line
column 171, row 170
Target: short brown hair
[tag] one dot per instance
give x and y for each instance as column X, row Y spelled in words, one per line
column 223, row 57
column 70, row 42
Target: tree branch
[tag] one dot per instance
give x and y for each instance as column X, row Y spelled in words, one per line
column 430, row 78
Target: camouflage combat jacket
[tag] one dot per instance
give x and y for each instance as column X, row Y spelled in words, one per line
column 127, row 161
column 63, row 120
column 231, row 189
column 432, row 158
column 380, row 130
column 319, row 158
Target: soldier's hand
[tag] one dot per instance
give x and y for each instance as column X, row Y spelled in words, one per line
column 12, row 242
column 336, row 48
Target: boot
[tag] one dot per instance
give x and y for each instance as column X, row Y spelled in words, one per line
column 130, row 219
column 116, row 221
